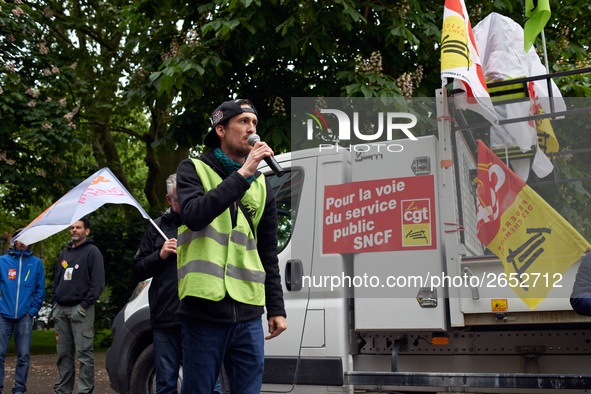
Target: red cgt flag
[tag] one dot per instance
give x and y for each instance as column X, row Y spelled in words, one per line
column 535, row 243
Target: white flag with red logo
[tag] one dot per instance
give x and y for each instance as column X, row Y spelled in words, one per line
column 98, row 189
column 460, row 60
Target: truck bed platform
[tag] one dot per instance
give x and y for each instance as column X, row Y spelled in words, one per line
column 399, row 380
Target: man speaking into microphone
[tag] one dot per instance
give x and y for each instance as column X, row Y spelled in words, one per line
column 273, row 165
column 227, row 255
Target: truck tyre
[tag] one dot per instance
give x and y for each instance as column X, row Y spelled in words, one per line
column 143, row 374
column 38, row 325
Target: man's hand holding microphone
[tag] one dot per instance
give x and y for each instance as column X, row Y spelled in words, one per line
column 260, row 151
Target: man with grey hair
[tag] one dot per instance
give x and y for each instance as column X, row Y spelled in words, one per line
column 156, row 259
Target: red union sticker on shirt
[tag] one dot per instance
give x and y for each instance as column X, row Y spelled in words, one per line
column 380, row 215
column 12, row 273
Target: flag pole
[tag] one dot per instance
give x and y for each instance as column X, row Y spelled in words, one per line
column 158, row 228
column 545, row 54
column 549, row 80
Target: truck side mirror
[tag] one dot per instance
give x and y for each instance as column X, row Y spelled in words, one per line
column 294, row 272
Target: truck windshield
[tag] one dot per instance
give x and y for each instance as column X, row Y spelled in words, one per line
column 287, row 189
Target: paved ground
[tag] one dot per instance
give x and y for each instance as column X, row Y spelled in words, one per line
column 43, row 374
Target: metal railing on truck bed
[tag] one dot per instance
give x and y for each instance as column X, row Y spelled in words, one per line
column 475, row 127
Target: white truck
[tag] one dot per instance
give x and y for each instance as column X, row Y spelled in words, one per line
column 378, row 247
column 378, row 265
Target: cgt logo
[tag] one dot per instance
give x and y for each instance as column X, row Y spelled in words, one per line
column 415, row 211
column 345, row 124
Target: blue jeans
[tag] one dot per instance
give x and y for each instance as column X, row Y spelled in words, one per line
column 22, row 329
column 167, row 358
column 240, row 347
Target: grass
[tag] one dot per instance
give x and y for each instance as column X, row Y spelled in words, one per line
column 44, row 342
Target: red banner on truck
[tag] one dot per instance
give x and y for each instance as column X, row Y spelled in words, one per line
column 380, row 215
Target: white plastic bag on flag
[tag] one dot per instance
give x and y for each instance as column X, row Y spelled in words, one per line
column 500, row 43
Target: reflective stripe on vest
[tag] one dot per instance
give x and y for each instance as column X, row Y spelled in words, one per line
column 219, row 259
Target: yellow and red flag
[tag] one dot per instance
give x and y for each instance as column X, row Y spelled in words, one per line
column 535, row 243
column 547, row 141
column 460, row 60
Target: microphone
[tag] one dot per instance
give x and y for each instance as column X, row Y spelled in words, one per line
column 270, row 160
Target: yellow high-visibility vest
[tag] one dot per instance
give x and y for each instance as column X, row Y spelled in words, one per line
column 219, row 259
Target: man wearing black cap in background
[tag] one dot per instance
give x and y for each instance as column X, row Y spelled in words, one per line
column 227, row 256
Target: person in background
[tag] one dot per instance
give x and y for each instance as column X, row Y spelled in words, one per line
column 79, row 281
column 156, row 259
column 580, row 298
column 22, row 291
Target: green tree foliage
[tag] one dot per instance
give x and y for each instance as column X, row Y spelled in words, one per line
column 272, row 51
column 64, row 66
column 115, row 230
column 37, row 120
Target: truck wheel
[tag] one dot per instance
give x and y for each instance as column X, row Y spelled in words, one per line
column 143, row 374
column 38, row 325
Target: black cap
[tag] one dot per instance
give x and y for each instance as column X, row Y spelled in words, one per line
column 227, row 110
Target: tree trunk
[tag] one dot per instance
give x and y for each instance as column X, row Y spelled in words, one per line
column 162, row 161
